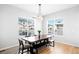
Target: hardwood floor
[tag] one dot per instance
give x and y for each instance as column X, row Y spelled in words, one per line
column 59, row 48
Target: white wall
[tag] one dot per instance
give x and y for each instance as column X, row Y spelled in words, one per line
column 71, row 25
column 9, row 24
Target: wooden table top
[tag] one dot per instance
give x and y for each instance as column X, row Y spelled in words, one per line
column 36, row 38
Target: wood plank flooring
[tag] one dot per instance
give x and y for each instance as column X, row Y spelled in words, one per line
column 59, row 48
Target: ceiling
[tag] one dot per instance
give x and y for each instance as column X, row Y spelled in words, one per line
column 45, row 8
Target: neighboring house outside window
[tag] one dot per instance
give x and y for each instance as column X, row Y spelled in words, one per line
column 55, row 26
column 26, row 26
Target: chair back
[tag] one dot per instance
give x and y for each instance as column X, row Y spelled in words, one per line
column 20, row 42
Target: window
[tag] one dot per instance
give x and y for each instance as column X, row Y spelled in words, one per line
column 55, row 26
column 59, row 26
column 26, row 26
column 50, row 26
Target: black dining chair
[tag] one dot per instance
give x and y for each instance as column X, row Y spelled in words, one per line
column 23, row 46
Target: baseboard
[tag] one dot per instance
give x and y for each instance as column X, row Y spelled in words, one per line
column 2, row 49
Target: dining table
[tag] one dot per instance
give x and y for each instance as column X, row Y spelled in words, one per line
column 37, row 42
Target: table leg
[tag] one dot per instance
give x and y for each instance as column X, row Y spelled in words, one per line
column 31, row 50
column 53, row 43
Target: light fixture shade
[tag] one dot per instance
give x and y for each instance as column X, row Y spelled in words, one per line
column 39, row 17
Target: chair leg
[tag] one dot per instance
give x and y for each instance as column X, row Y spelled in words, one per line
column 46, row 45
column 19, row 51
column 53, row 43
column 22, row 51
column 28, row 51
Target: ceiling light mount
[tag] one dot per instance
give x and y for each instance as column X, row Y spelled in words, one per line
column 39, row 9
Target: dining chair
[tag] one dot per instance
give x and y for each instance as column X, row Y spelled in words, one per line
column 23, row 45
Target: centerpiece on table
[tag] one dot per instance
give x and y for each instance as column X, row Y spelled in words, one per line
column 39, row 34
